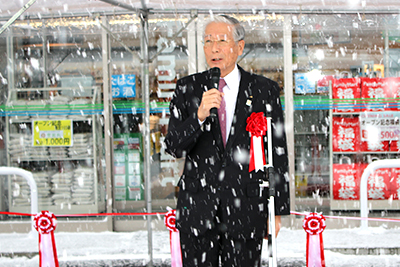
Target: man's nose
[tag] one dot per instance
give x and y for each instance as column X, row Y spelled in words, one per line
column 215, row 46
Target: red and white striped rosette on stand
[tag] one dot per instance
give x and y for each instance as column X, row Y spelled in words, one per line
column 45, row 224
column 314, row 225
column 175, row 243
column 257, row 127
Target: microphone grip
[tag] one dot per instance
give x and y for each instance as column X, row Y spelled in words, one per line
column 214, row 113
column 215, row 74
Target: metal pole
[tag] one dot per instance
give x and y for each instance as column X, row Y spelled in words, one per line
column 272, row 253
column 386, row 54
column 378, row 164
column 16, row 15
column 144, row 45
column 108, row 121
column 32, row 185
column 289, row 111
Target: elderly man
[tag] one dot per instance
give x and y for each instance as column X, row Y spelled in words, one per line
column 221, row 210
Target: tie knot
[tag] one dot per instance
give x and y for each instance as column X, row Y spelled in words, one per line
column 221, row 85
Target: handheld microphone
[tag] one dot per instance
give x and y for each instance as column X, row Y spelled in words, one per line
column 215, row 74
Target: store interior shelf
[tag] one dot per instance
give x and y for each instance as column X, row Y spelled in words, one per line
column 67, row 173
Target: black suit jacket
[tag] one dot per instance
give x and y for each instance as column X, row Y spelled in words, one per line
column 215, row 177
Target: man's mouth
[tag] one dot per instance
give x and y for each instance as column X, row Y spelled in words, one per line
column 216, row 59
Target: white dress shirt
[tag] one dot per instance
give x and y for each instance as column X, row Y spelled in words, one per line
column 231, row 90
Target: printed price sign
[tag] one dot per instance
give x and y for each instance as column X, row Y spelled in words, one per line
column 380, row 126
column 52, row 133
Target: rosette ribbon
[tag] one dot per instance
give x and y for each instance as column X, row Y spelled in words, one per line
column 175, row 243
column 314, row 225
column 45, row 223
column 257, row 127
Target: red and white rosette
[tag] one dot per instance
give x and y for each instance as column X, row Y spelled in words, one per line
column 176, row 254
column 314, row 225
column 257, row 127
column 45, row 224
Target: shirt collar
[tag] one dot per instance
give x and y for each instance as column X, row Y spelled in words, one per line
column 233, row 78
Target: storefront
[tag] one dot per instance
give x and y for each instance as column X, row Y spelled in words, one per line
column 85, row 107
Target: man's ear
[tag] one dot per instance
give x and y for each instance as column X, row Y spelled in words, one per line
column 241, row 47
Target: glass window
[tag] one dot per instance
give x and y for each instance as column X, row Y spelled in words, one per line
column 168, row 56
column 345, row 68
column 53, row 115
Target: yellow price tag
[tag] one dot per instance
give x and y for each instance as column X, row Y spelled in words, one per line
column 52, row 133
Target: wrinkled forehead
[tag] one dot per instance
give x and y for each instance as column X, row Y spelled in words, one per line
column 217, row 36
column 219, row 29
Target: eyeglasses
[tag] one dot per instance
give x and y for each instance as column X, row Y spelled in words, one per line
column 220, row 41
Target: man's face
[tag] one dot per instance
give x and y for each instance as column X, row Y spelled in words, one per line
column 220, row 48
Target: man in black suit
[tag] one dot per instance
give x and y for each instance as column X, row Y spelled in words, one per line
column 221, row 213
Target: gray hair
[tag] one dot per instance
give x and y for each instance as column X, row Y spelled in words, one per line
column 238, row 30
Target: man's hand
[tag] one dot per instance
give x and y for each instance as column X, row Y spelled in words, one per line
column 211, row 99
column 277, row 226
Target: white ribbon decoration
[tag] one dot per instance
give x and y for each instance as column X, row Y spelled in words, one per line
column 45, row 224
column 258, row 153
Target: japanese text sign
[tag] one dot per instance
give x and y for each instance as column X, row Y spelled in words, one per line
column 123, row 86
column 345, row 93
column 380, row 126
column 345, row 134
column 375, row 91
column 52, row 133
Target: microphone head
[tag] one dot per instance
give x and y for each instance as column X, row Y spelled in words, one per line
column 215, row 72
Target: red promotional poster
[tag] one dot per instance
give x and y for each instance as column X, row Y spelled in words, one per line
column 394, row 183
column 378, row 185
column 345, row 134
column 394, row 83
column 375, row 146
column 323, row 84
column 394, row 146
column 345, row 93
column 375, row 93
column 346, row 181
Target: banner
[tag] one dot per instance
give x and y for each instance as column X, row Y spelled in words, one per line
column 345, row 93
column 345, row 134
column 375, row 92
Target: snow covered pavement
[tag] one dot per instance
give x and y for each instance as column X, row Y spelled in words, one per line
column 343, row 247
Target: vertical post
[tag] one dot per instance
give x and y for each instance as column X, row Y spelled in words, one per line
column 10, row 88
column 289, row 110
column 201, row 59
column 144, row 46
column 108, row 123
column 192, row 47
column 386, row 54
column 44, row 61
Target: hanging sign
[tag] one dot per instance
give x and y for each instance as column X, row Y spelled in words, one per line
column 123, row 86
column 52, row 133
column 380, row 126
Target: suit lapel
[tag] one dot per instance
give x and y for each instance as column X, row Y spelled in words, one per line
column 243, row 106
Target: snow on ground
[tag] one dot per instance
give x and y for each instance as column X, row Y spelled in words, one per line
column 130, row 249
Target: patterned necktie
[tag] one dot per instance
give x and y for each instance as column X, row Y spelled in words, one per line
column 222, row 112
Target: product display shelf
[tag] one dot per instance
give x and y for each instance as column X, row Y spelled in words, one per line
column 69, row 177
